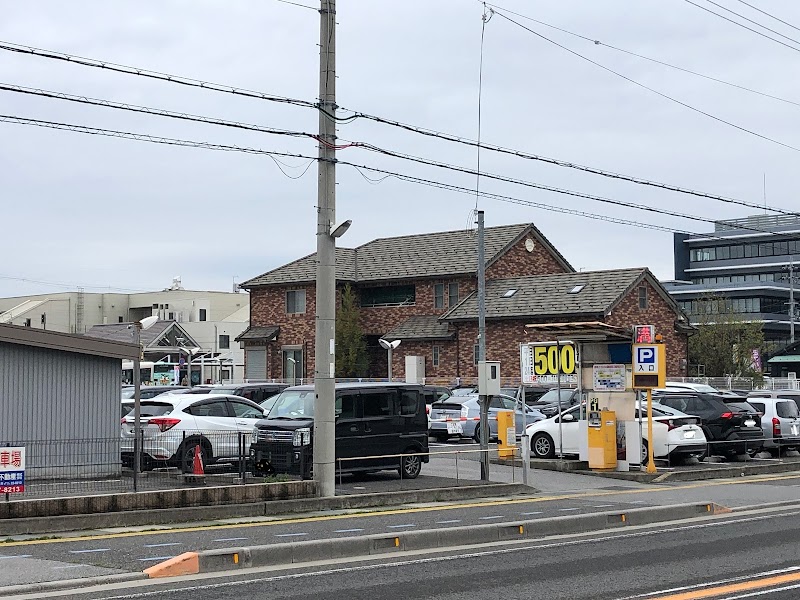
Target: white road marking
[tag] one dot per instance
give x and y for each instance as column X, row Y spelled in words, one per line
column 163, row 545
column 602, row 506
column 492, row 517
column 528, row 514
column 452, row 557
column 67, row 567
column 402, row 526
column 451, row 521
column 6, row 556
column 290, row 534
column 567, row 509
column 156, row 558
column 356, row 530
column 229, row 539
column 88, row 551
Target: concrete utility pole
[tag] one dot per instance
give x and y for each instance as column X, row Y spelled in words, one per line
column 791, row 300
column 324, row 351
column 484, row 400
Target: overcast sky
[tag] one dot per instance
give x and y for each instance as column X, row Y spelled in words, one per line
column 111, row 213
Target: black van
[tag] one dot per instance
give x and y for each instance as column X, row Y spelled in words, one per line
column 372, row 420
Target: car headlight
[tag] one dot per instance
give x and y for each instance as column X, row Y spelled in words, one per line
column 255, row 433
column 464, row 411
column 301, row 437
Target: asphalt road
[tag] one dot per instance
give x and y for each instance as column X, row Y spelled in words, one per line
column 748, row 555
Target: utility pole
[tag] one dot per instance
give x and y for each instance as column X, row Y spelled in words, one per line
column 790, row 277
column 483, row 399
column 324, row 340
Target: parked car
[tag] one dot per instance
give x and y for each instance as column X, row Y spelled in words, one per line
column 174, row 424
column 434, row 393
column 680, row 386
column 379, row 426
column 150, row 391
column 676, row 436
column 780, row 420
column 549, row 405
column 460, row 416
column 531, row 393
column 731, row 425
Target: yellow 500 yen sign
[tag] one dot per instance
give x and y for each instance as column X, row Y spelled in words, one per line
column 552, row 359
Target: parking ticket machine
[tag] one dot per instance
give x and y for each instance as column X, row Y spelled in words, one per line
column 602, row 427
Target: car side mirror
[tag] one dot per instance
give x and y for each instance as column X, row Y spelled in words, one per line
column 567, row 418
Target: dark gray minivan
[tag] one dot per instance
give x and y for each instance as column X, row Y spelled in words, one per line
column 373, row 422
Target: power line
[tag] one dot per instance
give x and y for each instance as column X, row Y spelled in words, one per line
column 648, row 88
column 298, row 4
column 243, row 149
column 69, row 285
column 756, row 31
column 598, row 42
column 356, row 115
column 7, row 87
column 763, row 12
column 733, row 12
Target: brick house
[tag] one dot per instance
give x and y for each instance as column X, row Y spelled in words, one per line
column 421, row 289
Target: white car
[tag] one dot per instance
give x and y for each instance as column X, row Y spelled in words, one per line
column 676, row 435
column 175, row 424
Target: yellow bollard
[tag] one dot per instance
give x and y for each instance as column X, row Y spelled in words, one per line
column 507, row 434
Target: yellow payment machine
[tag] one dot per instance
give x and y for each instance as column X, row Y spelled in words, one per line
column 507, row 434
column 602, row 439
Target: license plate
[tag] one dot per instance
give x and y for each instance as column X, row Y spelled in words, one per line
column 750, row 423
column 688, row 435
column 454, row 427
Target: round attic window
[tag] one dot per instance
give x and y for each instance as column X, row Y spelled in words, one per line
column 529, row 245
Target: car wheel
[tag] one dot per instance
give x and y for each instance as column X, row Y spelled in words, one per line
column 645, row 456
column 186, row 453
column 441, row 438
column 542, row 446
column 410, row 465
column 477, row 434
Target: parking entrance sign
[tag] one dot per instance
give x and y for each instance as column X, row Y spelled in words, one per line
column 649, row 368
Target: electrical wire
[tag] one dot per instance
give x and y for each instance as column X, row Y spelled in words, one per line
column 763, row 12
column 741, row 16
column 298, row 4
column 389, row 122
column 756, row 31
column 233, row 148
column 69, row 285
column 598, row 42
column 650, row 89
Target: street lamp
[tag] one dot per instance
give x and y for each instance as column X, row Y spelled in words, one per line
column 389, row 347
column 138, row 327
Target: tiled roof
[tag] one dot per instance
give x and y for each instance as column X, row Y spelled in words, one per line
column 550, row 295
column 123, row 332
column 437, row 254
column 420, row 328
column 266, row 334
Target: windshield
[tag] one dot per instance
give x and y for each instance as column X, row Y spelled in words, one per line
column 293, row 404
column 148, row 409
column 552, row 396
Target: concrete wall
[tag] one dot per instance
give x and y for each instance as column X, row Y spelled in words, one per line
column 64, row 408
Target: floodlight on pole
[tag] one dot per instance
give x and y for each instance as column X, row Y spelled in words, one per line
column 138, row 327
column 390, row 346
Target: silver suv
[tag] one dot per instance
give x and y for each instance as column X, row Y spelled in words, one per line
column 780, row 420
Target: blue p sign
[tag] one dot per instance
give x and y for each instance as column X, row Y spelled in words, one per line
column 645, row 356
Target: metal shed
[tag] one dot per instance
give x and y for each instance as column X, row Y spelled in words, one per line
column 60, row 399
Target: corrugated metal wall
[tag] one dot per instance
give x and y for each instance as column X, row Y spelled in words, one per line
column 64, row 407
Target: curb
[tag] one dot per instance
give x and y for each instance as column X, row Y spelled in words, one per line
column 133, row 518
column 230, row 559
column 64, row 584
